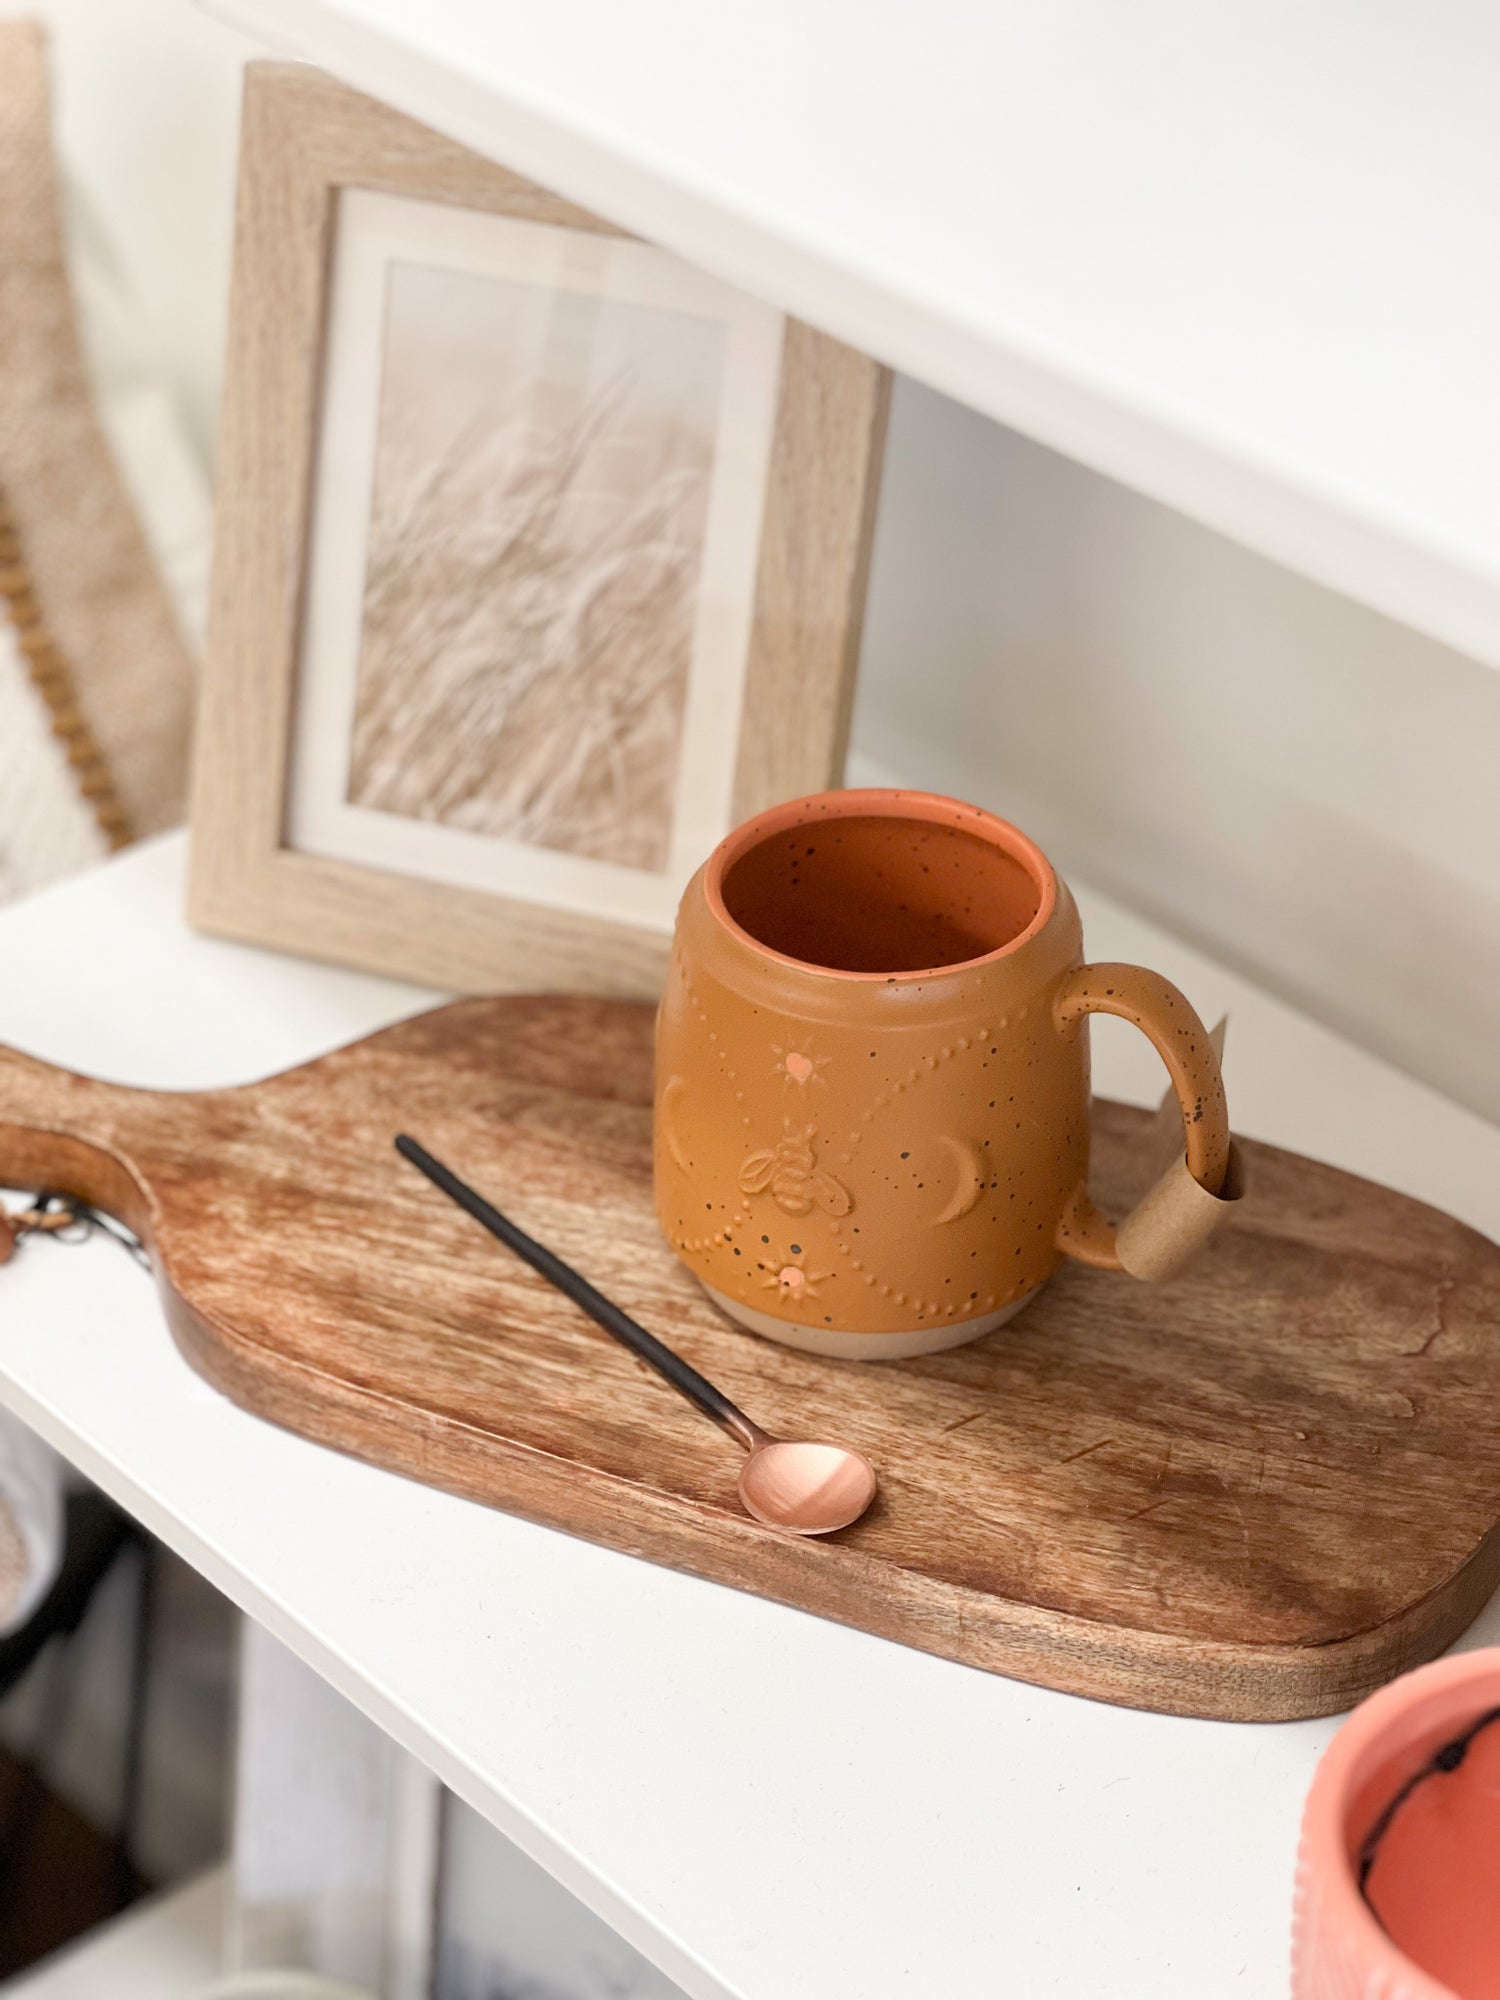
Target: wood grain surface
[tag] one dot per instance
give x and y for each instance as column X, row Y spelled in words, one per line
column 306, row 138
column 1256, row 1492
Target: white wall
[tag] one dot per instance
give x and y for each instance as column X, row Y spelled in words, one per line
column 1306, row 788
column 1309, row 790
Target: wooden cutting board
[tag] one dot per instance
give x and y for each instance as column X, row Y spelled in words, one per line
column 1257, row 1492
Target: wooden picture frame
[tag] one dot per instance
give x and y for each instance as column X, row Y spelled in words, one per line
column 308, row 143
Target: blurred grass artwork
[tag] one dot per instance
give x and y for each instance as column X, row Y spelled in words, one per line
column 535, row 545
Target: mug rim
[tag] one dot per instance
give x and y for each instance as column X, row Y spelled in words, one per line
column 892, row 803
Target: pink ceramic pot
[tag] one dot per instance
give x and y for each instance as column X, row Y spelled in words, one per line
column 1406, row 1801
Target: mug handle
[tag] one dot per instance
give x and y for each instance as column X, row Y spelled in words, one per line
column 1188, row 1202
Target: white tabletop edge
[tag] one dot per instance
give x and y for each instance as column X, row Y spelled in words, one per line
column 591, row 1709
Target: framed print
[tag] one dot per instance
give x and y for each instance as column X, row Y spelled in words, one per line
column 541, row 559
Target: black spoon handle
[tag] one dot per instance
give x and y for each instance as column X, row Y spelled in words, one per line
column 630, row 1333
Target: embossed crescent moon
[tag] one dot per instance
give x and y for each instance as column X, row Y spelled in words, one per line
column 671, row 1096
column 970, row 1179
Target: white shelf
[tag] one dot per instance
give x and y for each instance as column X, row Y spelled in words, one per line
column 167, row 1949
column 769, row 1806
column 1241, row 258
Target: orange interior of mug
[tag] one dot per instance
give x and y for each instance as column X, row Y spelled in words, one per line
column 1424, row 1832
column 881, row 884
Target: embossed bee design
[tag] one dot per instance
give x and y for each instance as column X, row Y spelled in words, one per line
column 790, row 1170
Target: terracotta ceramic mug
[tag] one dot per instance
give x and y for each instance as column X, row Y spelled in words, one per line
column 1398, row 1870
column 872, row 1093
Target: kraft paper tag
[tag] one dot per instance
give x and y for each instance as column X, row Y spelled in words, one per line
column 1177, row 1216
column 1175, row 1219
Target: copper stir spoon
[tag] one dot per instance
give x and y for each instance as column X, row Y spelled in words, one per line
column 808, row 1489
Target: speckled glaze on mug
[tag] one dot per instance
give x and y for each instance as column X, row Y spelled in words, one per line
column 872, row 1076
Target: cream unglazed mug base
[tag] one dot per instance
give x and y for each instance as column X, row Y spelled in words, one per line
column 872, row 1078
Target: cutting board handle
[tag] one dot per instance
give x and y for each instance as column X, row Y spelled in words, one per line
column 45, row 1112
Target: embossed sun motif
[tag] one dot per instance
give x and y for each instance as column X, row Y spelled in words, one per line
column 793, row 1280
column 798, row 1066
column 790, row 1170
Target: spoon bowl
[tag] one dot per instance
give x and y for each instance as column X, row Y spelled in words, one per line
column 808, row 1489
